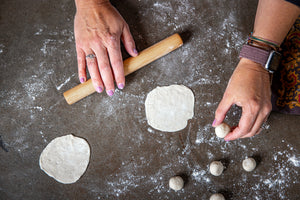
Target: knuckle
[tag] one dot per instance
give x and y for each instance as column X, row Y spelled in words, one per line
column 79, row 44
column 219, row 112
column 254, row 104
column 104, row 67
column 82, row 44
column 243, row 132
column 90, row 62
column 96, row 41
column 111, row 39
column 226, row 95
column 269, row 108
column 126, row 25
column 96, row 80
column 80, row 60
column 266, row 112
column 249, row 135
column 81, row 71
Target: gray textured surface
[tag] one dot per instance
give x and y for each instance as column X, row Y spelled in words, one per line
column 129, row 159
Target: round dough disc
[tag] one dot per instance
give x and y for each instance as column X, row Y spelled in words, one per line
column 169, row 108
column 65, row 158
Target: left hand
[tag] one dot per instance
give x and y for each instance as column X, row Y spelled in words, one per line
column 98, row 28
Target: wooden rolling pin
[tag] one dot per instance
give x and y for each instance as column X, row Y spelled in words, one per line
column 130, row 65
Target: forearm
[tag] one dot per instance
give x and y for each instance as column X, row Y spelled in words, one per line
column 80, row 4
column 274, row 18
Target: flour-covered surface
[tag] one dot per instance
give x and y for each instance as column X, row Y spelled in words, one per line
column 129, row 159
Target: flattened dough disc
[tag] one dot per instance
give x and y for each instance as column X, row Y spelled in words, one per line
column 169, row 108
column 65, row 158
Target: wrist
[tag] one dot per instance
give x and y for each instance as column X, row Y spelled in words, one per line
column 255, row 67
column 268, row 59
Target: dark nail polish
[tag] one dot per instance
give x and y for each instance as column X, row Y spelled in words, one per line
column 135, row 51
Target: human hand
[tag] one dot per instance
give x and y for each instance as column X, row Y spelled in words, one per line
column 249, row 88
column 98, row 29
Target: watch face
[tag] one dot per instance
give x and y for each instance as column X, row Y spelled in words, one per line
column 273, row 61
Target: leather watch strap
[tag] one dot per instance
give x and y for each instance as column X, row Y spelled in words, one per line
column 255, row 54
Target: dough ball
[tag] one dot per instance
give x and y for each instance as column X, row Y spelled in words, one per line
column 169, row 108
column 222, row 130
column 176, row 183
column 249, row 164
column 217, row 196
column 216, row 168
column 65, row 158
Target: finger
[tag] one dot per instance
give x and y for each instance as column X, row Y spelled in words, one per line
column 116, row 61
column 105, row 69
column 94, row 73
column 246, row 123
column 81, row 65
column 252, row 134
column 128, row 41
column 255, row 129
column 221, row 111
column 262, row 118
column 259, row 131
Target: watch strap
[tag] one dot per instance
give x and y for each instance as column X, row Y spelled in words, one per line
column 255, row 54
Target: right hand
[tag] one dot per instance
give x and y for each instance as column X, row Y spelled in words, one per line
column 98, row 29
column 249, row 88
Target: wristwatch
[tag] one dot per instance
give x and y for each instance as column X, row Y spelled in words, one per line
column 270, row 60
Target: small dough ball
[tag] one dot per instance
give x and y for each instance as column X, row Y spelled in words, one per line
column 217, row 196
column 216, row 168
column 249, row 164
column 222, row 130
column 176, row 183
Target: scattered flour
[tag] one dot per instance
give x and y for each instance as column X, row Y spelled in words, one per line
column 64, row 83
column 2, row 48
column 294, row 160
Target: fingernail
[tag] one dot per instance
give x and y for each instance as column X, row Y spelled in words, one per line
column 121, row 86
column 81, row 80
column 135, row 51
column 110, row 92
column 99, row 89
column 214, row 122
